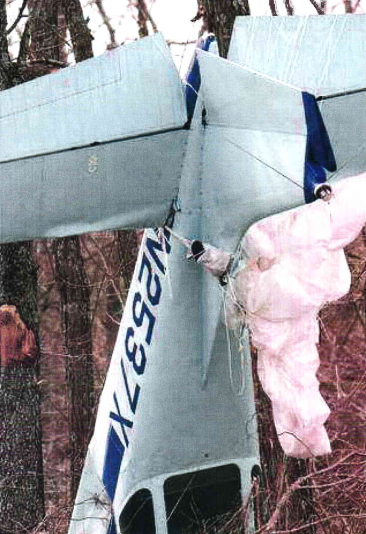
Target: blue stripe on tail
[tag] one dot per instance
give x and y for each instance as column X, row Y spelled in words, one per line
column 319, row 152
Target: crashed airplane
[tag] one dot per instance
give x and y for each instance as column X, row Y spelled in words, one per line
column 176, row 421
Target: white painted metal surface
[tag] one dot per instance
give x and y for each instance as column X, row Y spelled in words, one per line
column 324, row 56
column 94, row 147
column 245, row 163
column 312, row 53
column 126, row 92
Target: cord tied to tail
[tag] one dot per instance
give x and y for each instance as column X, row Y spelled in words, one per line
column 214, row 260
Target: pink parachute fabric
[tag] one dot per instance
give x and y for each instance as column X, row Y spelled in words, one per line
column 293, row 264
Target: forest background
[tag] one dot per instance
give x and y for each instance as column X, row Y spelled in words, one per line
column 62, row 300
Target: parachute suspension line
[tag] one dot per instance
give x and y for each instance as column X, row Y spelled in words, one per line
column 242, row 334
column 264, row 163
column 166, row 258
column 182, row 240
column 241, row 390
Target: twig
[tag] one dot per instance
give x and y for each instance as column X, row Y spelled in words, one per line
column 317, row 7
column 296, row 486
column 289, row 7
column 107, row 22
column 20, row 15
column 272, row 5
column 49, row 61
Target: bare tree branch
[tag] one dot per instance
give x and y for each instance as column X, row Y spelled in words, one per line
column 272, row 5
column 143, row 17
column 348, row 6
column 289, row 7
column 107, row 22
column 181, row 43
column 20, row 15
column 317, row 7
column 296, row 485
column 319, row 522
column 49, row 61
column 79, row 32
column 9, row 74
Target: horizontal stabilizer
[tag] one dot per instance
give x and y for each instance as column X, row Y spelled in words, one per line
column 130, row 91
column 312, row 53
column 104, row 148
column 124, row 184
column 323, row 56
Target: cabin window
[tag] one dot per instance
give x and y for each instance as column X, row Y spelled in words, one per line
column 137, row 516
column 204, row 501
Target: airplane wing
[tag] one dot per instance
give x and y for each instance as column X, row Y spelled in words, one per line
column 93, row 147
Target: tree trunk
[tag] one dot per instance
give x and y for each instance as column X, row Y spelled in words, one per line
column 75, row 309
column 21, row 474
column 348, row 8
column 272, row 5
column 142, row 18
column 9, row 74
column 289, row 7
column 79, row 32
column 323, row 5
column 75, row 297
column 44, row 43
column 219, row 16
column 278, row 471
